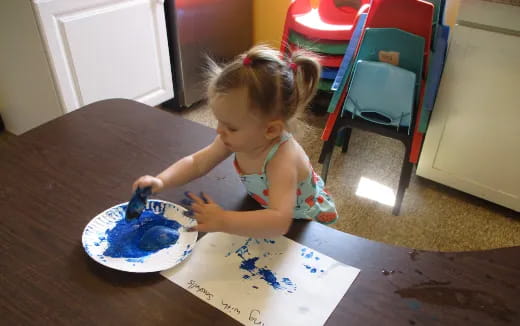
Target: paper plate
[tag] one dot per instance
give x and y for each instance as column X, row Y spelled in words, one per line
column 95, row 239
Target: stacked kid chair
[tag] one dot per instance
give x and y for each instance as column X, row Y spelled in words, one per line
column 388, row 79
column 325, row 30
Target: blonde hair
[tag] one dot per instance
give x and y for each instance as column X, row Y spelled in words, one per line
column 277, row 85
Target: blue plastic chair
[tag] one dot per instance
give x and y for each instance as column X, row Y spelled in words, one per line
column 347, row 63
column 328, row 73
column 438, row 58
column 384, row 93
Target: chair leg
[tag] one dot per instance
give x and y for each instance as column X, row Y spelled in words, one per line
column 404, row 181
column 326, row 163
column 344, row 147
column 328, row 147
column 326, row 155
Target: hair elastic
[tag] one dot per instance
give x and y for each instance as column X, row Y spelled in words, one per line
column 247, row 61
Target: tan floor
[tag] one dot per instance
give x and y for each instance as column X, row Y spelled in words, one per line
column 433, row 217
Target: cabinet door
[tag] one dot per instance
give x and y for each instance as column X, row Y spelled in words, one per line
column 101, row 49
column 473, row 139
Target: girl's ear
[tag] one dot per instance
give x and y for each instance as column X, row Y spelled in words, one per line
column 274, row 129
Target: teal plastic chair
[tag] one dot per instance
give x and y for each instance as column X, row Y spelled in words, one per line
column 384, row 93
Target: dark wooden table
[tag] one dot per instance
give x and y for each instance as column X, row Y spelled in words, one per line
column 57, row 177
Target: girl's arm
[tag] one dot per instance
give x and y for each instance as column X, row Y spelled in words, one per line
column 188, row 168
column 270, row 222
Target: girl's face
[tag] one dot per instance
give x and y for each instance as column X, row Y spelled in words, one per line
column 239, row 129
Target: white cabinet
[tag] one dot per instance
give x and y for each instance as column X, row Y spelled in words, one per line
column 473, row 139
column 95, row 49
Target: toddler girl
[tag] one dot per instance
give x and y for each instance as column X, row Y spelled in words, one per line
column 254, row 98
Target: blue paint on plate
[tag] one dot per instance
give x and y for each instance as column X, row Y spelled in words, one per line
column 123, row 240
column 158, row 237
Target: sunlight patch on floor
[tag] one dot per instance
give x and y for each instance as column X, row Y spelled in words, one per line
column 371, row 189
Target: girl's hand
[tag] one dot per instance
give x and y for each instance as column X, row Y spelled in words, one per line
column 149, row 181
column 209, row 215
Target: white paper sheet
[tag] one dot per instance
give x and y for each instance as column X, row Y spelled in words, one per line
column 264, row 281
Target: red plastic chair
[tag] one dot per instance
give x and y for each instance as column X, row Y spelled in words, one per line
column 325, row 22
column 331, row 13
column 412, row 16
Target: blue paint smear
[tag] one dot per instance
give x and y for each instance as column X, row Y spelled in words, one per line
column 414, row 304
column 317, row 258
column 264, row 273
column 249, row 264
column 311, row 269
column 124, row 238
column 269, row 277
column 244, row 249
column 186, row 252
column 135, row 260
column 287, row 281
column 309, row 255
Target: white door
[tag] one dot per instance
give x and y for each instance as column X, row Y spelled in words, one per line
column 473, row 139
column 101, row 49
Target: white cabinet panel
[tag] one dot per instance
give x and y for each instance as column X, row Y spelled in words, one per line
column 473, row 139
column 107, row 49
column 490, row 15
